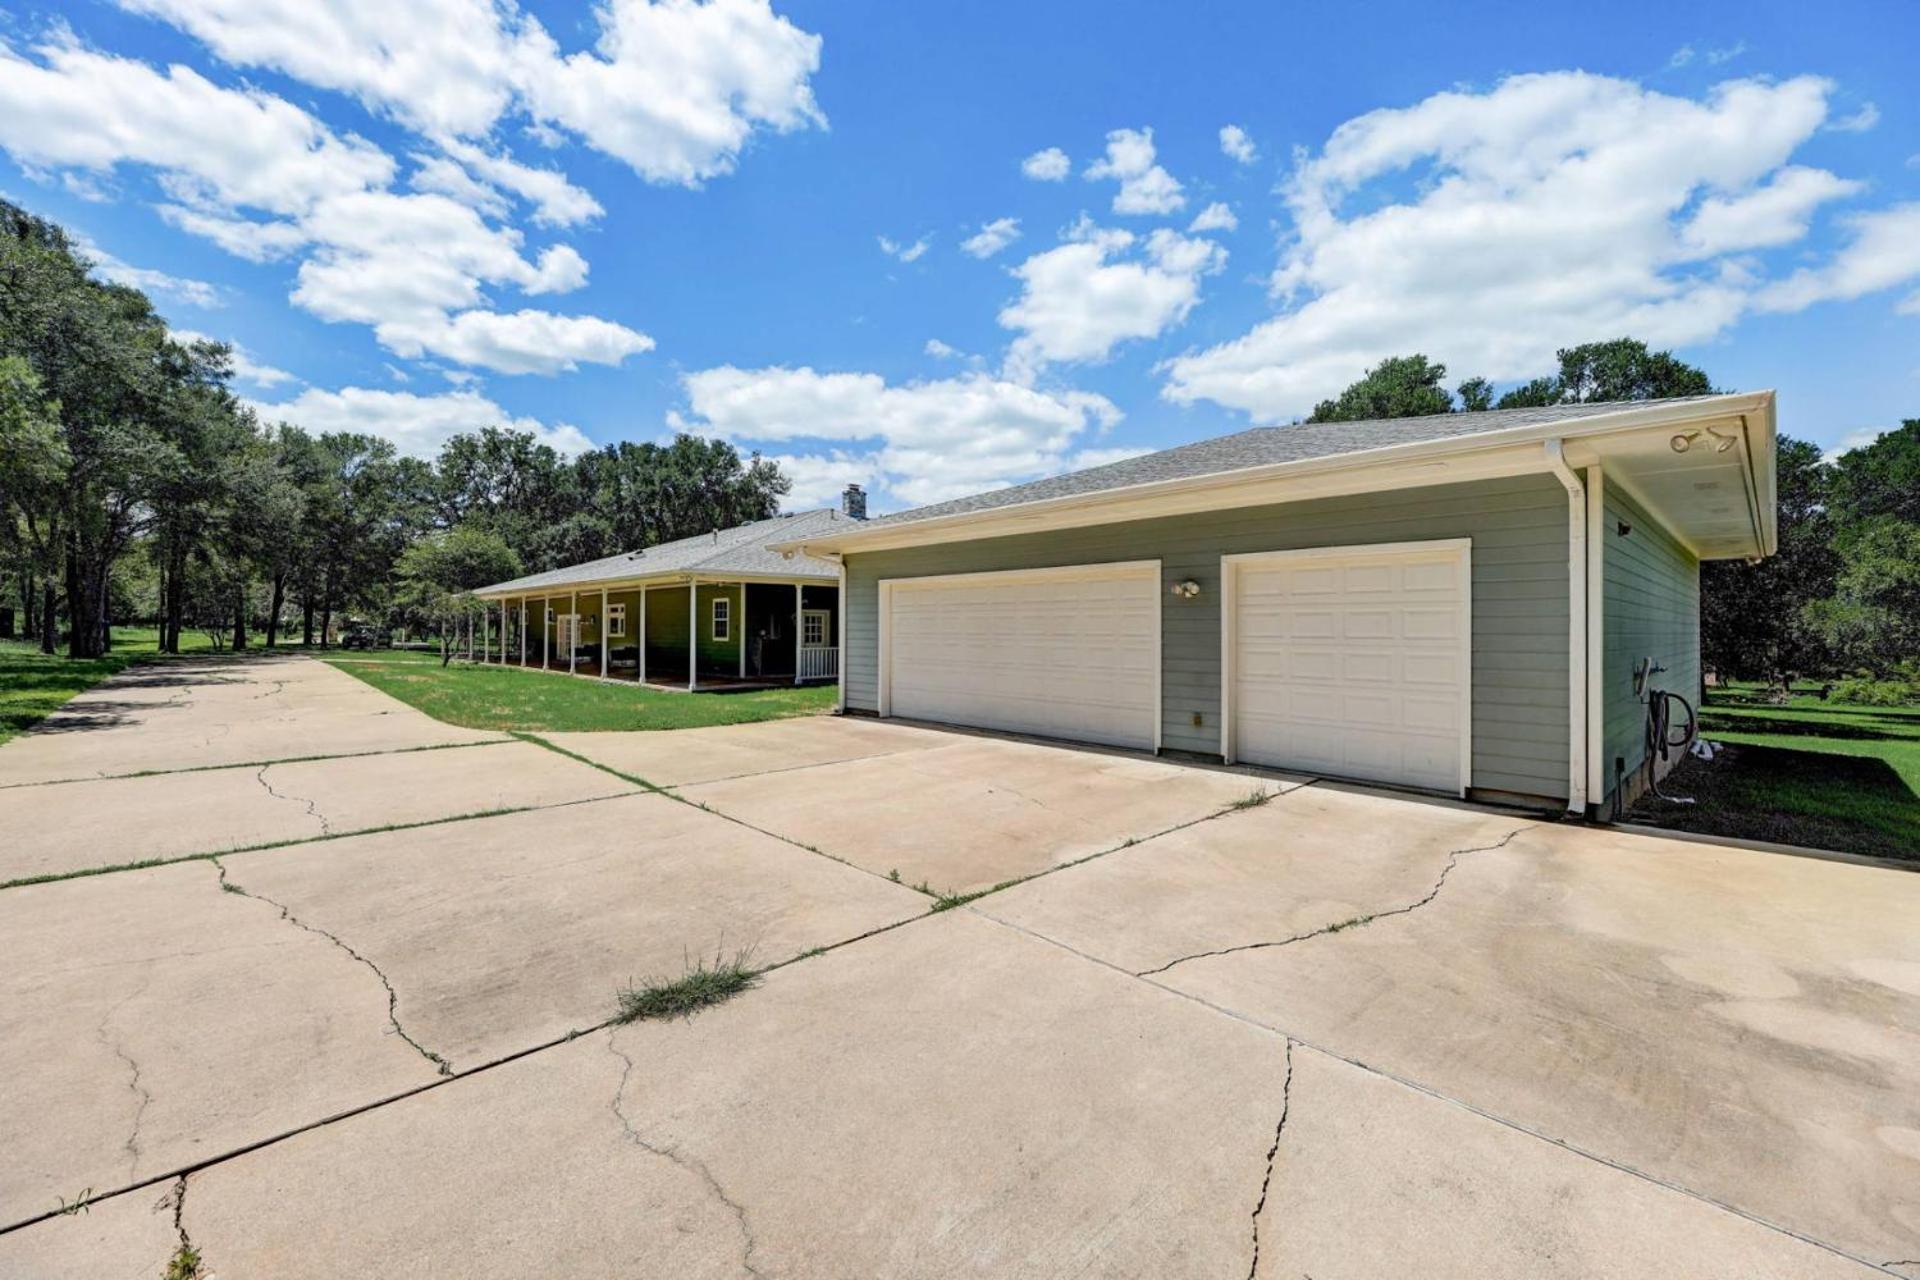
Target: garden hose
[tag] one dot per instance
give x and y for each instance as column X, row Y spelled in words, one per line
column 1660, row 739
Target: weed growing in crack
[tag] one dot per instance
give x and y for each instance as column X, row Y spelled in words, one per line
column 1252, row 800
column 894, row 875
column 702, row 983
column 185, row 1264
column 82, row 1203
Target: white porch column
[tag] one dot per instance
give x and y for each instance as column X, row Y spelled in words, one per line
column 606, row 646
column 543, row 632
column 523, row 631
column 573, row 631
column 737, row 627
column 693, row 632
column 640, row 637
column 799, row 636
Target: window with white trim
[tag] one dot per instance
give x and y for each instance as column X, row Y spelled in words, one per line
column 813, row 628
column 722, row 618
column 616, row 621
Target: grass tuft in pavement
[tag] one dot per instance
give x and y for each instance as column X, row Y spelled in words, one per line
column 1252, row 800
column 704, row 983
column 185, row 1264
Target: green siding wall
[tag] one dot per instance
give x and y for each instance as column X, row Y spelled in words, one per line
column 1519, row 532
column 1650, row 608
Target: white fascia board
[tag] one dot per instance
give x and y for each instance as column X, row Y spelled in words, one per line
column 1483, row 456
column 676, row 579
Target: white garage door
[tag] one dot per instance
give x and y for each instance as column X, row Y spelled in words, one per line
column 1061, row 653
column 1352, row 662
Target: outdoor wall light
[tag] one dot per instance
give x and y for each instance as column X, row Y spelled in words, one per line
column 1187, row 590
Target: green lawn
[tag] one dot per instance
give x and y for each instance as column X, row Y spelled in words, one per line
column 482, row 697
column 1809, row 772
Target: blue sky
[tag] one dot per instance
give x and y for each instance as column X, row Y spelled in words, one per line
column 938, row 248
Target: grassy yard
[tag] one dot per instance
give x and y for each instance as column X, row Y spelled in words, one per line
column 481, row 697
column 1809, row 772
column 33, row 685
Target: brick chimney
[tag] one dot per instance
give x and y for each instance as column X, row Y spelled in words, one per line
column 854, row 502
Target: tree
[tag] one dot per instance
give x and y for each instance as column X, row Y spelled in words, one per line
column 1620, row 369
column 439, row 571
column 33, row 469
column 1476, row 395
column 1397, row 387
column 1872, row 620
column 1753, row 617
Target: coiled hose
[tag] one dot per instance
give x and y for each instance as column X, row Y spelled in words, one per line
column 1660, row 739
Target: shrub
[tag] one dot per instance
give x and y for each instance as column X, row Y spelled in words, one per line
column 1865, row 691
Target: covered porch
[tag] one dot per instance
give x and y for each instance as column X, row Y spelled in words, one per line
column 692, row 633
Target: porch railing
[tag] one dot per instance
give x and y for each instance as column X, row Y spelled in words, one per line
column 822, row 663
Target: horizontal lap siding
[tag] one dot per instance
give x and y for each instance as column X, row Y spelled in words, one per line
column 1651, row 609
column 1519, row 532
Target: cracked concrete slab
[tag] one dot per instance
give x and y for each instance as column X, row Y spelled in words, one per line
column 148, row 1020
column 953, row 1098
column 1372, row 1178
column 679, row 757
column 65, row 827
column 128, row 1237
column 195, row 713
column 1312, row 859
column 505, row 932
column 1739, row 1024
column 978, row 811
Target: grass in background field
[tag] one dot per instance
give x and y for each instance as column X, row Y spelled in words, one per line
column 502, row 698
column 1809, row 772
column 34, row 684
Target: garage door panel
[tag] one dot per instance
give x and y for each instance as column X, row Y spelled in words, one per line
column 1352, row 663
column 1043, row 653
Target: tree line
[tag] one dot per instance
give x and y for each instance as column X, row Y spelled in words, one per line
column 1840, row 600
column 136, row 486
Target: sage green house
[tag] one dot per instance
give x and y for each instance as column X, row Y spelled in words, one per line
column 1479, row 604
column 719, row 610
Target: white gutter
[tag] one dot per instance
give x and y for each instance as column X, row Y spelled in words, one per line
column 1598, row 424
column 1576, row 625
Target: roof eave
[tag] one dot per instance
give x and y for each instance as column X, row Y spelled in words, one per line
column 941, row 528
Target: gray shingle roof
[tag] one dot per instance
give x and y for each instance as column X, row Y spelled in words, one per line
column 739, row 550
column 1265, row 446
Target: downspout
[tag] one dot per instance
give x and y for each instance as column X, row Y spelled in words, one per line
column 1576, row 626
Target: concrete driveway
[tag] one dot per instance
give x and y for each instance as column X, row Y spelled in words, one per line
column 359, row 1020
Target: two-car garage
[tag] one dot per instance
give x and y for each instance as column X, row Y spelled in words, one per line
column 1346, row 662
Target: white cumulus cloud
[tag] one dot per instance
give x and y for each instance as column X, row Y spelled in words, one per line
column 417, row 425
column 265, row 180
column 1488, row 228
column 992, row 237
column 1103, row 287
column 923, row 441
column 1236, row 143
column 1217, row 216
column 906, row 252
column 675, row 88
column 1050, row 165
column 1145, row 187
